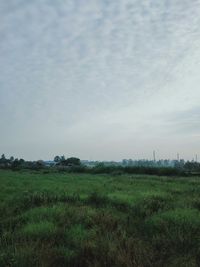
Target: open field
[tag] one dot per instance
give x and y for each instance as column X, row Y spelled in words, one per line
column 59, row 219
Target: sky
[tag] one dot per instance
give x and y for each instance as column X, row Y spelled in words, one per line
column 100, row 79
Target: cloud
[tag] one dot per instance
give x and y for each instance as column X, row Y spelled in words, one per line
column 102, row 68
column 185, row 122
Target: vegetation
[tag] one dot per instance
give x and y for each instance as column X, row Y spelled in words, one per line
column 74, row 164
column 51, row 218
column 67, row 162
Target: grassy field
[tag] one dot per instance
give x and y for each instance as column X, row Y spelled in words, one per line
column 58, row 219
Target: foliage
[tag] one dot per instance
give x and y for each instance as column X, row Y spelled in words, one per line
column 73, row 164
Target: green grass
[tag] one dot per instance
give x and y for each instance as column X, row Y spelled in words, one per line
column 39, row 231
column 79, row 220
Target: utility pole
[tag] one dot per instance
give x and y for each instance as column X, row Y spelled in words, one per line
column 154, row 156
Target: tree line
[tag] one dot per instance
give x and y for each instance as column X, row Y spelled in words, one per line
column 74, row 164
column 59, row 161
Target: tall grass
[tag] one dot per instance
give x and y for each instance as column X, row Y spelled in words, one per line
column 80, row 220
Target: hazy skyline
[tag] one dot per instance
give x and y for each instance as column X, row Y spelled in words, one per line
column 100, row 79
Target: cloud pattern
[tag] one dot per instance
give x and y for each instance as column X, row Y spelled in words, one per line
column 75, row 71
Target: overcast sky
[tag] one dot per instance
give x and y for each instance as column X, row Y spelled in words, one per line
column 100, row 79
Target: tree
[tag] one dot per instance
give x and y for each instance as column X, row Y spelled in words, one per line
column 11, row 159
column 39, row 164
column 62, row 158
column 17, row 163
column 72, row 162
column 3, row 159
column 57, row 159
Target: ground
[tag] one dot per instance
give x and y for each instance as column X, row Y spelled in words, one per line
column 63, row 219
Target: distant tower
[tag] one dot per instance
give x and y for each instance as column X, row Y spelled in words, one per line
column 196, row 158
column 154, row 156
column 178, row 158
